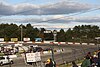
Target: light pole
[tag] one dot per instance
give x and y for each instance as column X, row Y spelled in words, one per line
column 21, row 33
column 55, row 34
column 97, row 38
column 55, row 39
column 61, row 53
column 52, row 48
column 24, row 53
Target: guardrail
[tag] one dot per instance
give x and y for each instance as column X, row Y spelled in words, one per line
column 48, row 42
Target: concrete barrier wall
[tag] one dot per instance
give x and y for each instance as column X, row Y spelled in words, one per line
column 70, row 42
column 63, row 42
column 91, row 43
column 77, row 43
column 84, row 44
column 48, row 42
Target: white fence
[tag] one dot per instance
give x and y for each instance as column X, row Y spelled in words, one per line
column 48, row 42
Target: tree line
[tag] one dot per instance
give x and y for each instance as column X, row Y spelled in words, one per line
column 81, row 33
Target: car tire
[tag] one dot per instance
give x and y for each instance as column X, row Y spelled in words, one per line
column 11, row 62
column 1, row 63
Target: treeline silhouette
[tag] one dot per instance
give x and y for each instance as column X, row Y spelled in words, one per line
column 81, row 33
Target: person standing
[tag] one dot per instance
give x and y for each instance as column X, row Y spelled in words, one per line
column 86, row 62
column 74, row 64
column 98, row 58
column 49, row 63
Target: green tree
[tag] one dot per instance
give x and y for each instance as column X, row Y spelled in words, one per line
column 61, row 36
column 30, row 33
column 86, row 33
column 41, row 33
column 69, row 35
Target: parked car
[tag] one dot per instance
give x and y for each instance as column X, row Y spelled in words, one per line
column 35, row 48
column 47, row 49
column 5, row 60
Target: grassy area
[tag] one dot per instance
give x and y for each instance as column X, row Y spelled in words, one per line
column 70, row 64
column 65, row 65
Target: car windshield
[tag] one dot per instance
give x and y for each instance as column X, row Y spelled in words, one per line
column 2, row 58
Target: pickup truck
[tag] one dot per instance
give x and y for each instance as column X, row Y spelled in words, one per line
column 5, row 60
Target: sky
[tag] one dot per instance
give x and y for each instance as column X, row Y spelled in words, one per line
column 50, row 14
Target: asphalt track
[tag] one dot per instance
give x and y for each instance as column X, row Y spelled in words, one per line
column 70, row 53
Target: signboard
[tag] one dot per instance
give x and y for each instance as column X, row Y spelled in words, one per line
column 38, row 56
column 26, row 39
column 1, row 39
column 14, row 39
column 48, row 31
column 33, row 57
column 30, row 57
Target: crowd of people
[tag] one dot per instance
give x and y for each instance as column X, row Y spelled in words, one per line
column 90, row 60
column 9, row 51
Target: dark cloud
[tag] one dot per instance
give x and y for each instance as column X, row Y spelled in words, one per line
column 65, row 8
column 88, row 19
column 50, row 9
column 6, row 9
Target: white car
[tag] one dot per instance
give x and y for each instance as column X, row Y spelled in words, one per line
column 5, row 60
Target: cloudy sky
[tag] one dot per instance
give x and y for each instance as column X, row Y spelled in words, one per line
column 50, row 14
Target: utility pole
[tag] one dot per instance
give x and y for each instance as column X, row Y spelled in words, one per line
column 97, row 43
column 55, row 39
column 52, row 51
column 55, row 34
column 52, row 48
column 21, row 33
column 61, row 53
